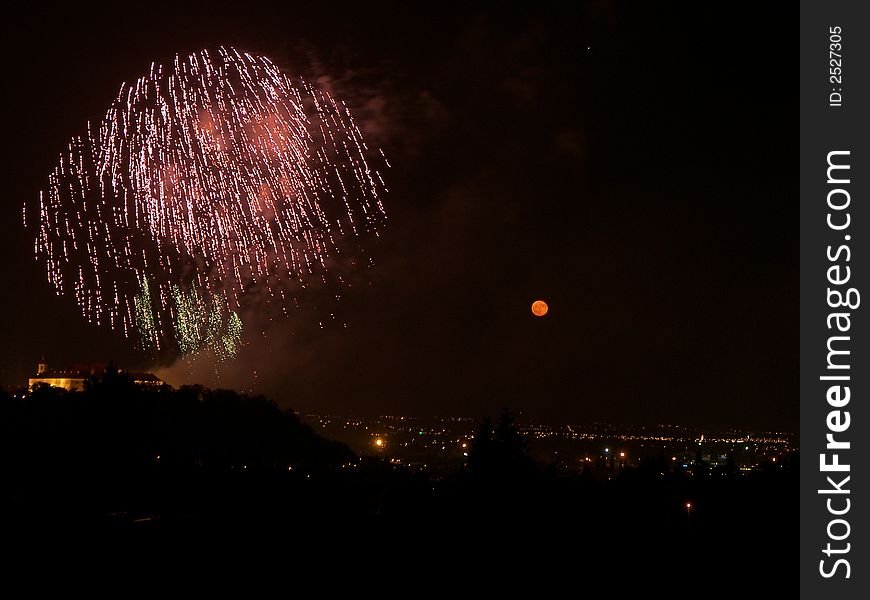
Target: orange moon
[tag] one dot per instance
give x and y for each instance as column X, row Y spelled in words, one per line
column 539, row 308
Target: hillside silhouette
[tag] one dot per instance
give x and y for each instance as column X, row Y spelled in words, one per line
column 149, row 466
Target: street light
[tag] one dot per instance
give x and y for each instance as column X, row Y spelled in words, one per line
column 688, row 509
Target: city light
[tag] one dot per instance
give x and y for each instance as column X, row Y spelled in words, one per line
column 453, row 438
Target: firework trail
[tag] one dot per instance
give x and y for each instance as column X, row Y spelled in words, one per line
column 204, row 179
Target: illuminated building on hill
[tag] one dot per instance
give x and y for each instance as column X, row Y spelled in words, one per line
column 74, row 378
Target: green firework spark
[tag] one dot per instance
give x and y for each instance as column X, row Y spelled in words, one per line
column 206, row 324
column 144, row 317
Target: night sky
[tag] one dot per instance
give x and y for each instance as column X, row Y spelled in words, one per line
column 634, row 167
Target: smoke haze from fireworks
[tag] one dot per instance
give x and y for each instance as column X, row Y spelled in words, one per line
column 204, row 180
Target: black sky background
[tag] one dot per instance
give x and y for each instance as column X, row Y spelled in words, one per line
column 635, row 166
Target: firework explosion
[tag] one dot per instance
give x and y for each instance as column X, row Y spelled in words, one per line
column 202, row 181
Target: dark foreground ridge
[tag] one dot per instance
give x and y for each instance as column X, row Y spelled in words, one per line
column 147, row 467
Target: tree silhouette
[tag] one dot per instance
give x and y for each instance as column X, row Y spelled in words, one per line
column 500, row 452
